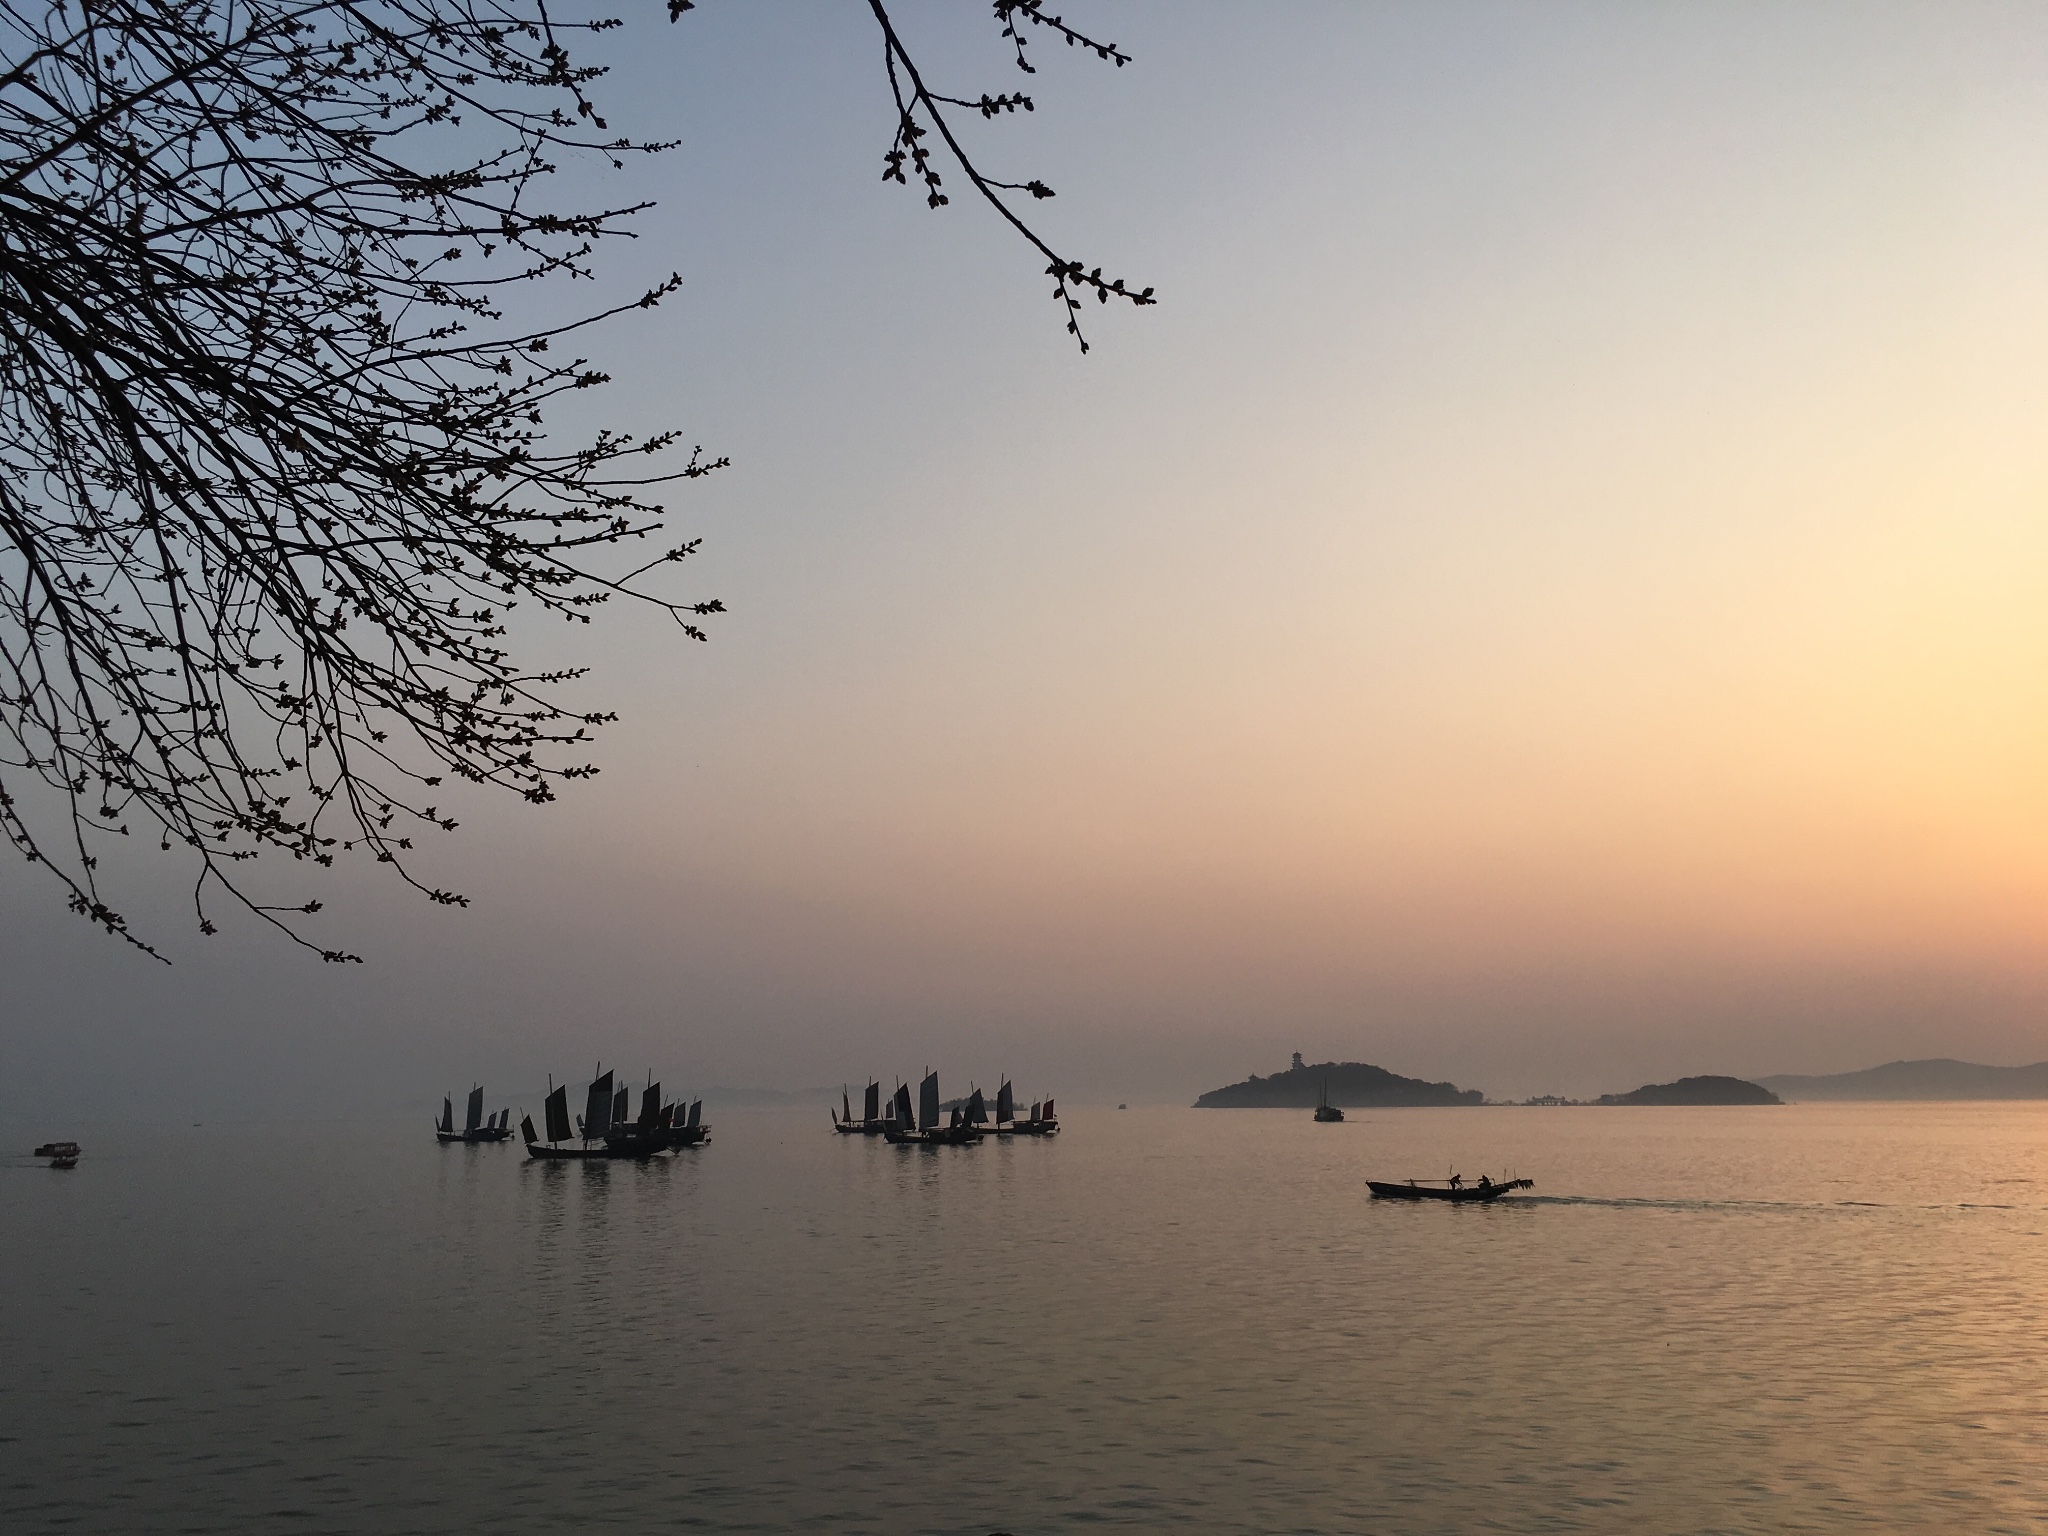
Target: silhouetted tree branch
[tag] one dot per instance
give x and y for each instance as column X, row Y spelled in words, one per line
column 919, row 101
column 273, row 470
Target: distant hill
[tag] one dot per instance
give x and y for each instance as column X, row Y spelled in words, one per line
column 1936, row 1079
column 1352, row 1085
column 1695, row 1090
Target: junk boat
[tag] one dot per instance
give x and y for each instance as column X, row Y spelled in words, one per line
column 603, row 1129
column 1043, row 1121
column 1326, row 1112
column 1454, row 1189
column 475, row 1128
column 686, row 1127
column 957, row 1132
column 870, row 1122
column 62, row 1154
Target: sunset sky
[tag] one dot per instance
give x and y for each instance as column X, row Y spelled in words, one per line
column 1552, row 596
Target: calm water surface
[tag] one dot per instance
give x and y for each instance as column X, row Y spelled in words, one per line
column 1817, row 1318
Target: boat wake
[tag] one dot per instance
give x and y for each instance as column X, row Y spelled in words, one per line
column 1757, row 1207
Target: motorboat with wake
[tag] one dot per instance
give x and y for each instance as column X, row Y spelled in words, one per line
column 1453, row 1189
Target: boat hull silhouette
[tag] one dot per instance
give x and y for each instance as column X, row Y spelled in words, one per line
column 1454, row 1194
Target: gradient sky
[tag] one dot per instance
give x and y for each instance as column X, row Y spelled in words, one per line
column 1551, row 597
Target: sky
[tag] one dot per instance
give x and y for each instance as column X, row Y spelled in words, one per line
column 1550, row 597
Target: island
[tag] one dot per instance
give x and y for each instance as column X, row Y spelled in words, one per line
column 1351, row 1085
column 1939, row 1078
column 1695, row 1090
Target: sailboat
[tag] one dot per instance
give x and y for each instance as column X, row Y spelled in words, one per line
column 1326, row 1112
column 870, row 1122
column 475, row 1127
column 958, row 1132
column 643, row 1136
column 602, row 1130
column 687, row 1129
column 1043, row 1121
column 559, row 1130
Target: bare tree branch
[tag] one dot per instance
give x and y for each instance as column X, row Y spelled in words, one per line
column 273, row 463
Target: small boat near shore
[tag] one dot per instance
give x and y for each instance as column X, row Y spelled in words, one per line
column 1454, row 1189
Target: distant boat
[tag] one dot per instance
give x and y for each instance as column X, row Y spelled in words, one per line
column 62, row 1154
column 1454, row 1189
column 959, row 1131
column 1043, row 1121
column 1326, row 1112
column 870, row 1122
column 475, row 1127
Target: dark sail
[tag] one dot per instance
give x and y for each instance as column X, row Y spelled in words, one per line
column 475, row 1119
column 597, row 1110
column 650, row 1105
column 447, row 1116
column 1048, row 1111
column 873, row 1109
column 928, row 1102
column 696, row 1112
column 1006, row 1104
column 902, row 1102
column 1034, row 1111
column 846, row 1105
column 621, row 1102
column 977, row 1108
column 557, row 1114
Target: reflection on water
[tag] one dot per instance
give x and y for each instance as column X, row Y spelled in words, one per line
column 1820, row 1318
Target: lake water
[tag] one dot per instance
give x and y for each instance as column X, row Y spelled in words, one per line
column 1816, row 1318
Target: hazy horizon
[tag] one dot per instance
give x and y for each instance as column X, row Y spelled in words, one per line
column 1550, row 599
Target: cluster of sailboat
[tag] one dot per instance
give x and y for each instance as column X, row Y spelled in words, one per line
column 475, row 1126
column 968, row 1122
column 607, row 1127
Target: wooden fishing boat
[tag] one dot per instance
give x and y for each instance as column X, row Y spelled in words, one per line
column 603, row 1129
column 1326, row 1112
column 1043, row 1122
column 687, row 1127
column 62, row 1154
column 476, row 1128
column 1454, row 1189
column 870, row 1122
column 958, row 1132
